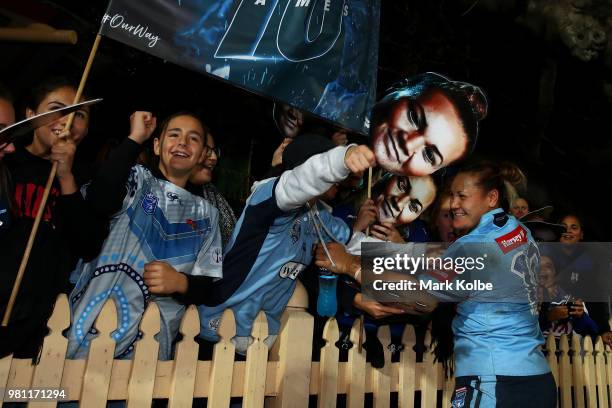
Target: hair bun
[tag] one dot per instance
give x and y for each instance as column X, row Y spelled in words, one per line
column 511, row 173
column 475, row 97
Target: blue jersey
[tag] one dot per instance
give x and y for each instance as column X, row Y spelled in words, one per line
column 496, row 331
column 159, row 221
column 271, row 247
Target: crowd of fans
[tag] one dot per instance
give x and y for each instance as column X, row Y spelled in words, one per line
column 136, row 211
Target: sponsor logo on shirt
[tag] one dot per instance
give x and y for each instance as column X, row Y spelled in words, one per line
column 291, row 270
column 512, row 240
column 149, row 203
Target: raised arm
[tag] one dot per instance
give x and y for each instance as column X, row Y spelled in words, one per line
column 319, row 173
column 108, row 188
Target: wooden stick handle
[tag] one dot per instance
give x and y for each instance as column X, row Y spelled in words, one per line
column 43, row 202
column 361, row 317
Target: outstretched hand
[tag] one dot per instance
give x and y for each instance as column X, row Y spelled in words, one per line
column 344, row 263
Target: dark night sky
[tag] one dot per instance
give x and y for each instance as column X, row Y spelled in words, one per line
column 487, row 48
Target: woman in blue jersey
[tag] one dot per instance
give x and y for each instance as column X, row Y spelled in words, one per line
column 498, row 362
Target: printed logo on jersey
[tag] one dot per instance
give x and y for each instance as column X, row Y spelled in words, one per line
column 149, row 203
column 173, row 196
column 213, row 324
column 291, row 270
column 294, row 233
column 459, row 400
column 216, row 256
column 512, row 240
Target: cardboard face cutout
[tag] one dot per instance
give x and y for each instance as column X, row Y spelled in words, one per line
column 401, row 200
column 425, row 123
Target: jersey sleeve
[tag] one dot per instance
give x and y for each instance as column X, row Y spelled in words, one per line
column 336, row 227
column 210, row 257
column 311, row 179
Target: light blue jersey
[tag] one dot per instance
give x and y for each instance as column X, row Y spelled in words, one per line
column 159, row 221
column 496, row 331
column 272, row 243
column 268, row 249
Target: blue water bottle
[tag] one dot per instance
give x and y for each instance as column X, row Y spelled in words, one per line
column 326, row 302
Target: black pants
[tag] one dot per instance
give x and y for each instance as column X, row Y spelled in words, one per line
column 500, row 391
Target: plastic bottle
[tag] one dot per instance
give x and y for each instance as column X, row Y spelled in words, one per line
column 327, row 304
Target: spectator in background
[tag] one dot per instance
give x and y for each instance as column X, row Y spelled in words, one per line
column 441, row 220
column 201, row 184
column 288, row 119
column 578, row 271
column 560, row 312
column 519, row 207
column 61, row 238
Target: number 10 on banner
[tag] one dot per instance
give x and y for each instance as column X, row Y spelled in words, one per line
column 308, row 29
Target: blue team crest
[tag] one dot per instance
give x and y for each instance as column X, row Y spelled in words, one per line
column 149, row 203
column 295, row 230
column 459, row 400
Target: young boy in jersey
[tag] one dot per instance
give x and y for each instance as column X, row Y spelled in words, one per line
column 273, row 239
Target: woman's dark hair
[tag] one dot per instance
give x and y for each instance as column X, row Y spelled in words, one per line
column 442, row 337
column 152, row 161
column 39, row 92
column 503, row 177
column 571, row 214
column 469, row 100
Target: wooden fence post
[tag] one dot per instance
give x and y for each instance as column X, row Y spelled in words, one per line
column 185, row 362
column 600, row 373
column 5, row 369
column 48, row 372
column 429, row 377
column 589, row 372
column 295, row 353
column 407, row 369
column 328, row 366
column 565, row 373
column 382, row 380
column 144, row 366
column 577, row 371
column 608, row 353
column 356, row 371
column 100, row 359
column 256, row 365
column 222, row 370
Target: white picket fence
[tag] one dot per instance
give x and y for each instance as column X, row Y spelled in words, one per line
column 283, row 377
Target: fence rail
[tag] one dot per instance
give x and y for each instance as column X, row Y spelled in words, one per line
column 283, row 377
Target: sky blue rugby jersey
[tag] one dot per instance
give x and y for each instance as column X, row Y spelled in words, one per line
column 496, row 331
column 268, row 249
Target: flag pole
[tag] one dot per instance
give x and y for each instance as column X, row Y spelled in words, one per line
column 43, row 203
